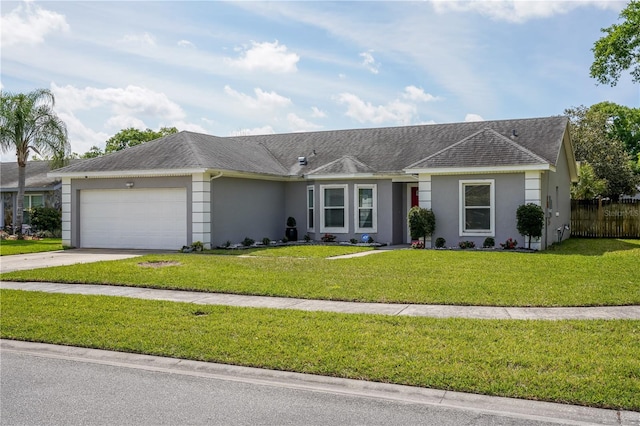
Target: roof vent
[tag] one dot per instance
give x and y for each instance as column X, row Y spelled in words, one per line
column 514, row 133
column 302, row 161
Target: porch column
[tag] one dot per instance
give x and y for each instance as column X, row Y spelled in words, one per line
column 424, row 198
column 65, row 200
column 533, row 194
column 201, row 209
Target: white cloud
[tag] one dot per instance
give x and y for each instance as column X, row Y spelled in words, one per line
column 414, row 93
column 394, row 112
column 262, row 100
column 317, row 113
column 29, row 24
column 272, row 57
column 128, row 101
column 473, row 117
column 81, row 137
column 369, row 62
column 125, row 107
column 519, row 11
column 299, row 124
column 192, row 127
column 186, row 43
column 266, row 130
column 118, row 122
column 144, row 39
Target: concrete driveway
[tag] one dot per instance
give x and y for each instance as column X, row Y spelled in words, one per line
column 21, row 262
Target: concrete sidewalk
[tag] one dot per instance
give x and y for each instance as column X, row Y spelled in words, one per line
column 434, row 311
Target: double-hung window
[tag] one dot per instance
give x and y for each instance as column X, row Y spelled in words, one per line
column 366, row 208
column 310, row 209
column 477, row 207
column 334, row 209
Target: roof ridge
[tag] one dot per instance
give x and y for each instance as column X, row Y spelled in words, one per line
column 272, row 155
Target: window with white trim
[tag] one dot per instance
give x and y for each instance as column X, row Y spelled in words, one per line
column 31, row 201
column 334, row 208
column 366, row 208
column 310, row 209
column 477, row 207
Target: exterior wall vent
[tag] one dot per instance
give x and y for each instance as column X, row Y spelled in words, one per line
column 302, row 161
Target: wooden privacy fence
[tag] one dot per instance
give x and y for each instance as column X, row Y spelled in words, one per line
column 605, row 218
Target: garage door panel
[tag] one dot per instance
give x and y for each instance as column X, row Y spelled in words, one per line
column 133, row 218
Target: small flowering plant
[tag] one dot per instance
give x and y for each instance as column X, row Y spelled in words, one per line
column 417, row 244
column 328, row 238
column 466, row 244
column 510, row 244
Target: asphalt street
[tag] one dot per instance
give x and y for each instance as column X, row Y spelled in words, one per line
column 38, row 390
column 59, row 385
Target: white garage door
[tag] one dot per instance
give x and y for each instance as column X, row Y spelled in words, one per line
column 133, row 218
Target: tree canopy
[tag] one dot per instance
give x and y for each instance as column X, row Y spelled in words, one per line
column 29, row 124
column 128, row 137
column 597, row 142
column 619, row 49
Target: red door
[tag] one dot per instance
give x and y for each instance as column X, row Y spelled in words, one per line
column 414, row 196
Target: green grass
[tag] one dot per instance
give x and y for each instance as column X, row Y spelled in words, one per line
column 593, row 363
column 577, row 273
column 11, row 247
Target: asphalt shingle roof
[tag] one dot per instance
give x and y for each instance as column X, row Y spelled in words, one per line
column 35, row 176
column 377, row 150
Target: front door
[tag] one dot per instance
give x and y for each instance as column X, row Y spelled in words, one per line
column 412, row 201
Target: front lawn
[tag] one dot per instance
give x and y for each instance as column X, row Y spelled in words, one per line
column 592, row 363
column 577, row 273
column 10, row 247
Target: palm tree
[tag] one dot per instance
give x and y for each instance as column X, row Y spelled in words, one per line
column 28, row 123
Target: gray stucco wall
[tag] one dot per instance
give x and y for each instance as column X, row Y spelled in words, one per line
column 509, row 194
column 558, row 188
column 246, row 208
column 295, row 205
column 78, row 185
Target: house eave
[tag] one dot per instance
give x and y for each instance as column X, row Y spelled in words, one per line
column 33, row 189
column 126, row 173
column 480, row 170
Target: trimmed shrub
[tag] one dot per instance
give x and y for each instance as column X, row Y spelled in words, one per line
column 46, row 219
column 440, row 242
column 489, row 242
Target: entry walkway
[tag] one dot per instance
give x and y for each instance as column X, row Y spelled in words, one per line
column 434, row 311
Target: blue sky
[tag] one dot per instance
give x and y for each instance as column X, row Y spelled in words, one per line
column 227, row 68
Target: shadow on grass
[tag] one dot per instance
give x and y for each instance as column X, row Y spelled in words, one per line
column 593, row 246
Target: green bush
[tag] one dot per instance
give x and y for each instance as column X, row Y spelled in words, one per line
column 440, row 242
column 266, row 241
column 422, row 222
column 530, row 220
column 489, row 242
column 466, row 244
column 247, row 241
column 46, row 219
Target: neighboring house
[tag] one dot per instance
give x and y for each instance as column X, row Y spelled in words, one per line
column 191, row 187
column 40, row 190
